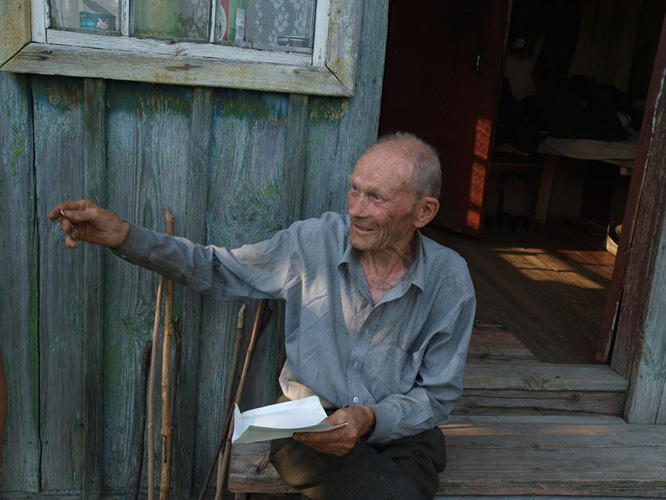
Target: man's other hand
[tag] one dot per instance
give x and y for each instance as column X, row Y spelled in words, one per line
column 82, row 220
column 360, row 420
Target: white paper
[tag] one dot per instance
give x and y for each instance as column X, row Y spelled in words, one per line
column 279, row 420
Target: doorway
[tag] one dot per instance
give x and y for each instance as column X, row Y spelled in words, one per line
column 542, row 273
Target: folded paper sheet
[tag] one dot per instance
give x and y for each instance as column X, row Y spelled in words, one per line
column 279, row 420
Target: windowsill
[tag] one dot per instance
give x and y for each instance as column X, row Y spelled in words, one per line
column 49, row 59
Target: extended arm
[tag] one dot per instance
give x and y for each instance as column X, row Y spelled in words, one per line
column 255, row 271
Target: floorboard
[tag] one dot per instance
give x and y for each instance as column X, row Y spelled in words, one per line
column 554, row 456
column 549, row 287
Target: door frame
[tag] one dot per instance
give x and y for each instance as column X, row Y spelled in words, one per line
column 640, row 238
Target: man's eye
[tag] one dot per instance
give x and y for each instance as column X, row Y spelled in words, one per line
column 376, row 197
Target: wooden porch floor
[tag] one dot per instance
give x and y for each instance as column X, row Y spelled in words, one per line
column 521, row 456
column 549, row 287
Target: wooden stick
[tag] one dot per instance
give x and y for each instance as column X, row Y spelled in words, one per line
column 176, row 370
column 167, row 431
column 224, row 462
column 257, row 329
column 218, row 450
column 256, row 333
column 151, row 391
column 228, row 395
column 259, row 325
column 174, row 379
column 145, row 367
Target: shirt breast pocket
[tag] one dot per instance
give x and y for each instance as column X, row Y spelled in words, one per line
column 393, row 371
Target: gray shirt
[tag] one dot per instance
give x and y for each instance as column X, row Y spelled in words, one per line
column 404, row 357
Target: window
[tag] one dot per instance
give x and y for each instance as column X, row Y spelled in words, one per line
column 262, row 24
column 297, row 46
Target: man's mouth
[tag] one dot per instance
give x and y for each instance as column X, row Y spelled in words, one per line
column 361, row 229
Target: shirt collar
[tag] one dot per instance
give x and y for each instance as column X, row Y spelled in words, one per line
column 418, row 268
column 415, row 275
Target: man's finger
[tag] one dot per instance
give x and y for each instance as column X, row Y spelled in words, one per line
column 81, row 215
column 333, row 447
column 321, row 437
column 68, row 208
column 55, row 214
column 71, row 242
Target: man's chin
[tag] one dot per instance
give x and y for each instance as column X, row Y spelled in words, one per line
column 360, row 243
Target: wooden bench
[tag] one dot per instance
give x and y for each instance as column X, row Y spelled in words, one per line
column 518, row 455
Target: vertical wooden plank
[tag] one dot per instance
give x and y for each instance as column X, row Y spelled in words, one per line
column 18, row 287
column 294, row 176
column 94, row 105
column 245, row 205
column 148, row 169
column 339, row 130
column 647, row 271
column 294, row 170
column 14, row 27
column 59, row 166
column 647, row 395
column 195, row 220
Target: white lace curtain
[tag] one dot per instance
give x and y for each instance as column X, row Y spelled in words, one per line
column 281, row 22
column 256, row 23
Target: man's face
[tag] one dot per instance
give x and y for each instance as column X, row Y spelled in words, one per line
column 380, row 202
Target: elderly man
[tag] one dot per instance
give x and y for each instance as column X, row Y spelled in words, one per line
column 378, row 320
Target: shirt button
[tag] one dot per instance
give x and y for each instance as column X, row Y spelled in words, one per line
column 355, row 399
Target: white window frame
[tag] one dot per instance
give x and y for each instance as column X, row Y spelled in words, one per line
column 329, row 70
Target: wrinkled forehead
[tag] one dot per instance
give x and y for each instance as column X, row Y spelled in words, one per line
column 386, row 159
column 383, row 172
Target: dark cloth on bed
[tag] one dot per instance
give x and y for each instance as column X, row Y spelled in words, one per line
column 579, row 107
column 515, row 125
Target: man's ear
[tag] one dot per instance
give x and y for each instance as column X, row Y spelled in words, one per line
column 426, row 210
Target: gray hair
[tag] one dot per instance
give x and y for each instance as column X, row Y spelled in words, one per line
column 426, row 170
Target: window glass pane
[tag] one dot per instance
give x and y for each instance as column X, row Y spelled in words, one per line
column 96, row 15
column 270, row 24
column 181, row 19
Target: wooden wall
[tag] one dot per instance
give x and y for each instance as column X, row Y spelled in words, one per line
column 233, row 167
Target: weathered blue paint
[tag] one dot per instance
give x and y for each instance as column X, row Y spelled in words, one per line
column 217, row 158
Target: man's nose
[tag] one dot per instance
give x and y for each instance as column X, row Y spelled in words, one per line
column 357, row 205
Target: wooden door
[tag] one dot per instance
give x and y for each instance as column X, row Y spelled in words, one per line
column 441, row 82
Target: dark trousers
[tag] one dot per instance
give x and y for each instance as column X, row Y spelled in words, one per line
column 403, row 469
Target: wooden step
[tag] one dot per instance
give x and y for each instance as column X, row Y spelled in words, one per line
column 521, row 456
column 541, row 388
column 554, row 455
